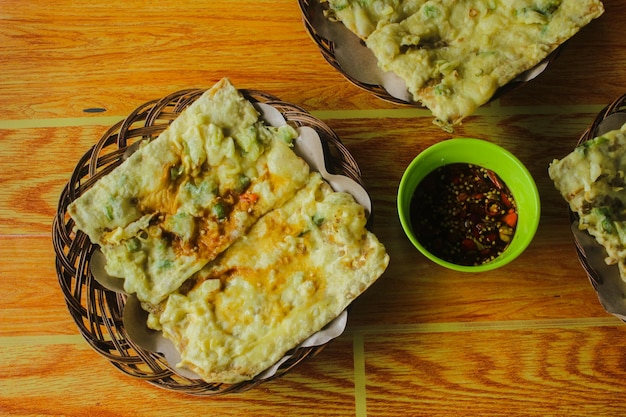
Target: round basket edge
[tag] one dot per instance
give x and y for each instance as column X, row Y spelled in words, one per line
column 97, row 311
column 326, row 48
column 617, row 105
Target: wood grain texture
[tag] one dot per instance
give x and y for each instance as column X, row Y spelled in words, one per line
column 528, row 339
column 48, row 379
column 94, row 55
column 90, row 55
column 546, row 281
column 559, row 372
column 32, row 302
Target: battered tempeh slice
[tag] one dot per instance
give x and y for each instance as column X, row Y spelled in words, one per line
column 453, row 55
column 296, row 270
column 592, row 179
column 363, row 17
column 183, row 198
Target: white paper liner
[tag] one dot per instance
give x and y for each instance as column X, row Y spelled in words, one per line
column 354, row 58
column 308, row 146
column 612, row 122
column 610, row 287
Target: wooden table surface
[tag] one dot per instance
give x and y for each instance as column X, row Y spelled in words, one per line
column 528, row 339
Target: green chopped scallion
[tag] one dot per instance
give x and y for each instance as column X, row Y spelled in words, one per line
column 219, row 210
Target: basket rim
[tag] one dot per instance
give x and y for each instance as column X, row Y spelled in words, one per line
column 616, row 106
column 97, row 311
column 327, row 49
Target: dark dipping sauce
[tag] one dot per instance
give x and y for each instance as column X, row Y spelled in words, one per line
column 463, row 214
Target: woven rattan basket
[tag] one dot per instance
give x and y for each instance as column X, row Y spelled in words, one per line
column 606, row 116
column 97, row 311
column 327, row 49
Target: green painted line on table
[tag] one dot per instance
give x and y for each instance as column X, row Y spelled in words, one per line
column 403, row 113
column 360, row 387
column 494, row 109
column 478, row 326
column 357, row 332
column 42, row 340
column 59, row 122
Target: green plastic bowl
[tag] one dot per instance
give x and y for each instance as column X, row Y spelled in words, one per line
column 490, row 156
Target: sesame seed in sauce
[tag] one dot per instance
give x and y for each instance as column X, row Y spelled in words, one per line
column 459, row 212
